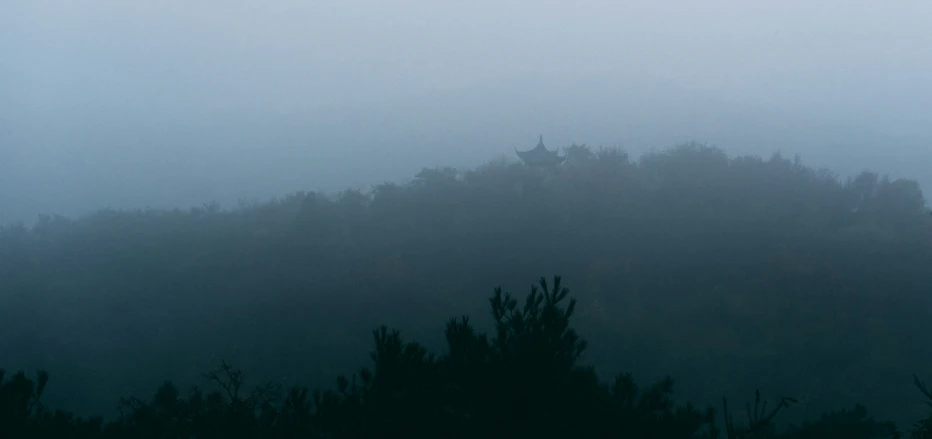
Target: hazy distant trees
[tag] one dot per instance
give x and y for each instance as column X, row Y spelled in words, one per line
column 727, row 269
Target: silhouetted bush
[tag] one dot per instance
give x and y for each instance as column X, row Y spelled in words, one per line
column 524, row 381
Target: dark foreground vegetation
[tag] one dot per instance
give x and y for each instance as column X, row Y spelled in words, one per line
column 731, row 274
column 523, row 381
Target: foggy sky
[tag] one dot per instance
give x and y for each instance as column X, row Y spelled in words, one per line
column 173, row 103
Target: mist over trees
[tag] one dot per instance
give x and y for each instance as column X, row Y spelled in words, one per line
column 181, row 155
column 729, row 273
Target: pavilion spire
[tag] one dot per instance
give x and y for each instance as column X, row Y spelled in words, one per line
column 540, row 156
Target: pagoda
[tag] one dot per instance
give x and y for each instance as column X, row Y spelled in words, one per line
column 540, row 156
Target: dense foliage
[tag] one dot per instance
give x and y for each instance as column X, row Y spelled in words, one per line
column 524, row 381
column 730, row 273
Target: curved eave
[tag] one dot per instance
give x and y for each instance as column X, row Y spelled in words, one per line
column 550, row 158
column 537, row 152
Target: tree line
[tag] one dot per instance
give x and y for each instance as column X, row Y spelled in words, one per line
column 731, row 273
column 522, row 380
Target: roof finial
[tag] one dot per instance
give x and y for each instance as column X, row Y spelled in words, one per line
column 541, row 141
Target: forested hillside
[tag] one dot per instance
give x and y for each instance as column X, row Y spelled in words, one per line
column 729, row 273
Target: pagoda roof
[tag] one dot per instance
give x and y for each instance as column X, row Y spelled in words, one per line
column 540, row 155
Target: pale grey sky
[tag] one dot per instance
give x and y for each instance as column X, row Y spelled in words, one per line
column 305, row 53
column 136, row 103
